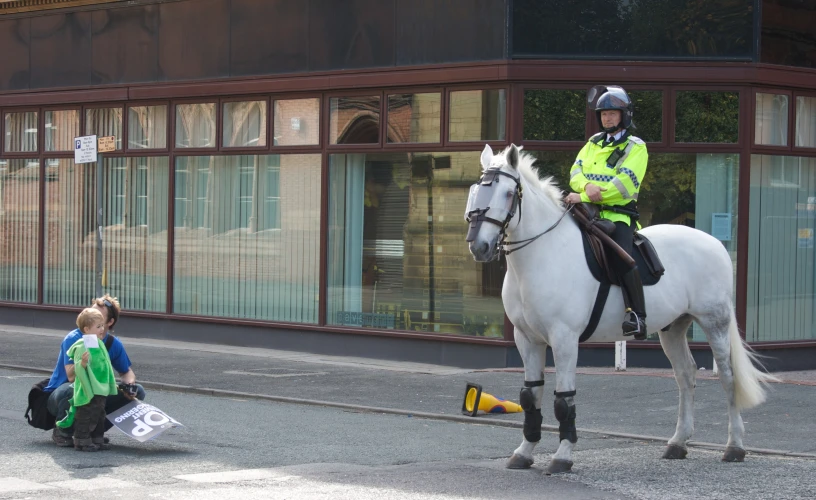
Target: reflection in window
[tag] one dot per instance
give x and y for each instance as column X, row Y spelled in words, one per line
column 771, row 120
column 648, row 114
column 781, row 278
column 297, row 122
column 354, row 120
column 104, row 122
column 134, row 218
column 245, row 124
column 60, row 129
column 21, row 132
column 396, row 257
column 247, row 236
column 703, row 116
column 19, row 239
column 147, row 127
column 478, row 115
column 195, row 125
column 414, row 117
column 696, row 190
column 554, row 115
column 806, row 122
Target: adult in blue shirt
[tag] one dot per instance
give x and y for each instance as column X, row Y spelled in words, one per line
column 61, row 385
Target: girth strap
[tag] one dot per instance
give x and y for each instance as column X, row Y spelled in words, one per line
column 597, row 310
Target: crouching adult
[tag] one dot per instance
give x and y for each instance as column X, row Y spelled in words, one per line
column 61, row 387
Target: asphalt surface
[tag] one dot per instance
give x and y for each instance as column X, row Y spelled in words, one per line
column 638, row 404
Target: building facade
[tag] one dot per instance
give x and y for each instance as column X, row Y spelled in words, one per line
column 294, row 172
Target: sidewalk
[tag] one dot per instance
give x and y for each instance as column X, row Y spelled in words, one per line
column 639, row 403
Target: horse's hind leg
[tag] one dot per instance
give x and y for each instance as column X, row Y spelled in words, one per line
column 534, row 357
column 675, row 345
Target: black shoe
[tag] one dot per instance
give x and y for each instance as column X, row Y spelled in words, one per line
column 62, row 440
column 634, row 324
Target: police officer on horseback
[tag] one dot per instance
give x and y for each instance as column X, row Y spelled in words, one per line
column 609, row 171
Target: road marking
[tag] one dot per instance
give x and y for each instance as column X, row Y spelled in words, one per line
column 235, row 475
column 14, row 485
column 96, row 483
column 275, row 375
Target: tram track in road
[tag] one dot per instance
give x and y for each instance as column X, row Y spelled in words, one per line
column 222, row 393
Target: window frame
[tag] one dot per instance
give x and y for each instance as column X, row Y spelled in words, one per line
column 493, row 143
column 771, row 148
column 800, row 150
column 220, row 124
column 168, row 132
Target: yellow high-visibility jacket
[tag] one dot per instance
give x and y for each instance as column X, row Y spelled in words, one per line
column 622, row 179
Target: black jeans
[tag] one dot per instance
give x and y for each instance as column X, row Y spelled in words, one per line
column 89, row 421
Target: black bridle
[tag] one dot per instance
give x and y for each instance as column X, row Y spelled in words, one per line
column 478, row 215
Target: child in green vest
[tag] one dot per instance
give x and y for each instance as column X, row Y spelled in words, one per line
column 94, row 382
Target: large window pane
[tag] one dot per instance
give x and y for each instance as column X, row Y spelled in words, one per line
column 414, row 117
column 554, row 115
column 781, row 258
column 245, row 124
column 60, row 129
column 297, row 122
column 703, row 116
column 147, row 127
column 19, row 229
column 104, row 122
column 696, row 190
column 397, row 255
column 354, row 120
column 134, row 232
column 648, row 118
column 247, row 237
column 21, row 132
column 806, row 122
column 771, row 120
column 478, row 115
column 195, row 125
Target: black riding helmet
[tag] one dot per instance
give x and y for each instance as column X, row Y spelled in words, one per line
column 614, row 97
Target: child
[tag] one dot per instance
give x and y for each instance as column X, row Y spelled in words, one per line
column 93, row 383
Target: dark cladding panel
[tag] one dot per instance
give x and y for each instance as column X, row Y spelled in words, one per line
column 788, row 32
column 14, row 40
column 269, row 37
column 61, row 50
column 194, row 40
column 634, row 29
column 351, row 34
column 439, row 31
column 125, row 45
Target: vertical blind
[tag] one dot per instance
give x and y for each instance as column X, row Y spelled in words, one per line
column 247, row 236
column 19, row 229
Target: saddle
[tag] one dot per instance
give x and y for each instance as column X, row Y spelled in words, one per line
column 596, row 235
column 596, row 246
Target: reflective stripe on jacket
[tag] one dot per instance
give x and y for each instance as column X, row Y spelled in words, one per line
column 622, row 181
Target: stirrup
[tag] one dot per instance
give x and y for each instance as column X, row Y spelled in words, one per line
column 636, row 327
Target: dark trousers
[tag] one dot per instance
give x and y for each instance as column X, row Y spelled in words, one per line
column 89, row 421
column 623, row 236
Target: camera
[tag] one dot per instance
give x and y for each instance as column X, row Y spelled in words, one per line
column 128, row 389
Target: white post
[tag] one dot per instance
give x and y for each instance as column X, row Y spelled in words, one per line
column 620, row 356
column 715, row 369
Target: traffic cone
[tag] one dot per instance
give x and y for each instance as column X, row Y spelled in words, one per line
column 476, row 400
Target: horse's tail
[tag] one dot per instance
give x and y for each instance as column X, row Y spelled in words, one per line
column 749, row 381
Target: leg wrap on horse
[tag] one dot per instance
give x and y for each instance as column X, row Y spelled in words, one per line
column 532, row 415
column 565, row 414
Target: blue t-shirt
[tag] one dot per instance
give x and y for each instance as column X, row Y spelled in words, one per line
column 118, row 356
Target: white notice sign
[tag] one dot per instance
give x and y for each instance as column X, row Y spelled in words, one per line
column 85, row 149
column 721, row 226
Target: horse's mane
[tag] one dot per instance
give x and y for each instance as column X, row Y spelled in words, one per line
column 546, row 187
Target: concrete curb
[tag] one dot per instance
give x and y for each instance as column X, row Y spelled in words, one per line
column 206, row 391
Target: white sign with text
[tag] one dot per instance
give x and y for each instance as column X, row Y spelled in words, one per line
column 85, row 149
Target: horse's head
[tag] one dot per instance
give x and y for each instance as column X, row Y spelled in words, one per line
column 493, row 202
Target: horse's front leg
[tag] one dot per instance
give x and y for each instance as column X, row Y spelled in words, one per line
column 565, row 355
column 534, row 357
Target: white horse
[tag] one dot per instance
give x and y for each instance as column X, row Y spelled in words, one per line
column 548, row 294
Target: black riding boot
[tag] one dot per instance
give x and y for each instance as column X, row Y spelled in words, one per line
column 635, row 322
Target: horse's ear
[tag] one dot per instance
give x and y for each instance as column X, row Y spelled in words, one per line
column 513, row 156
column 487, row 157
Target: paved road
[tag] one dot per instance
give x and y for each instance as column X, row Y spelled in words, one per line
column 252, row 448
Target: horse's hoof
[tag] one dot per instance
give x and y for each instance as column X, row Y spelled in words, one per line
column 558, row 466
column 519, row 462
column 674, row 452
column 733, row 454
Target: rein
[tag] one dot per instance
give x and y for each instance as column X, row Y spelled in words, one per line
column 529, row 240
